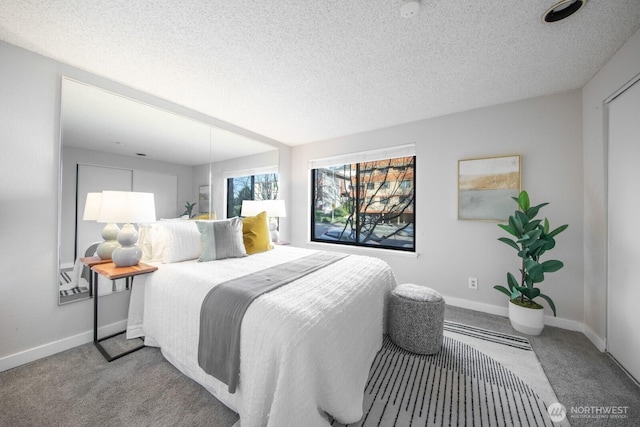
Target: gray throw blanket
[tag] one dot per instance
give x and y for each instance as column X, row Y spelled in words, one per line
column 224, row 306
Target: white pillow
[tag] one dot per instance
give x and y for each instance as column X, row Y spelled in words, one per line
column 144, row 241
column 173, row 241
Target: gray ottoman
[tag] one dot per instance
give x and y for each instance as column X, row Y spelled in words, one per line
column 416, row 318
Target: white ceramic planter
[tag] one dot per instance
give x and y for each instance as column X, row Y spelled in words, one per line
column 526, row 320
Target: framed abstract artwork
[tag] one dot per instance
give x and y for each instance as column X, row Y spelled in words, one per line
column 485, row 187
column 203, row 198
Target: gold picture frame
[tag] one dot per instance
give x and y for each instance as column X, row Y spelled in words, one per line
column 485, row 187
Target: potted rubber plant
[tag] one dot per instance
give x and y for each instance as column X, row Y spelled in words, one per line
column 188, row 208
column 531, row 238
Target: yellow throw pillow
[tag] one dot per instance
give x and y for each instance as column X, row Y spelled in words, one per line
column 205, row 216
column 256, row 235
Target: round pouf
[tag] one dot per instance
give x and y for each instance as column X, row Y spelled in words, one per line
column 416, row 318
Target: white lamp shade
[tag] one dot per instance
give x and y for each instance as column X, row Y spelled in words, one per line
column 92, row 206
column 127, row 207
column 273, row 208
column 251, row 207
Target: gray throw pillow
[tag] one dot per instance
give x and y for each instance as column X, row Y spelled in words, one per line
column 221, row 239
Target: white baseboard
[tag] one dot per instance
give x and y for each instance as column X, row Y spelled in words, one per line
column 600, row 343
column 14, row 360
column 477, row 306
column 32, row 354
column 559, row 322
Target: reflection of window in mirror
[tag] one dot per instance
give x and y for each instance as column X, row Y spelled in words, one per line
column 156, row 149
column 263, row 186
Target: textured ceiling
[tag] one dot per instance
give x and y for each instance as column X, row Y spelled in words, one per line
column 299, row 71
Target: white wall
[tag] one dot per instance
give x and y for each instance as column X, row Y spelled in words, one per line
column 618, row 71
column 32, row 325
column 546, row 131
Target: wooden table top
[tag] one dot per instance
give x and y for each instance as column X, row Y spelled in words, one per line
column 90, row 261
column 110, row 271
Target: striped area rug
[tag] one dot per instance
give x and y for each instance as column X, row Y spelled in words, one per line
column 461, row 385
column 68, row 290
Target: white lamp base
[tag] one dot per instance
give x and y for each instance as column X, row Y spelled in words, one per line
column 109, row 234
column 273, row 230
column 128, row 253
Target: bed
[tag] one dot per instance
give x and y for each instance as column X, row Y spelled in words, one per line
column 305, row 348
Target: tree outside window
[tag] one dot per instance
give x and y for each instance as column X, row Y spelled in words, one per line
column 251, row 187
column 366, row 204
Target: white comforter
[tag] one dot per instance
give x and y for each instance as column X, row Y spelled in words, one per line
column 306, row 348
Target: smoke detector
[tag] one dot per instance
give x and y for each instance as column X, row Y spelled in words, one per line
column 409, row 8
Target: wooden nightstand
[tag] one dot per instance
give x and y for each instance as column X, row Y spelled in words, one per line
column 111, row 272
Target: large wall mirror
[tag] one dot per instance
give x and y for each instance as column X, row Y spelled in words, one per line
column 114, row 142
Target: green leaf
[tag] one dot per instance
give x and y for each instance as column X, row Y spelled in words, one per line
column 509, row 242
column 551, row 304
column 528, row 281
column 551, row 265
column 530, row 293
column 530, row 238
column 522, row 219
column 535, row 272
column 516, row 224
column 532, row 225
column 502, row 289
column 511, row 281
column 558, row 230
column 523, row 201
column 530, row 263
column 533, row 211
column 508, row 229
column 549, row 243
column 537, row 245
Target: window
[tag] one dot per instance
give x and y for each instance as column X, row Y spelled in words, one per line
column 380, row 214
column 250, row 187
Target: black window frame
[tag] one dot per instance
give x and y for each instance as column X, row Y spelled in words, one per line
column 355, row 240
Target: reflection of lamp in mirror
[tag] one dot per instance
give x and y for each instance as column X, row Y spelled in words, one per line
column 127, row 207
column 109, row 232
column 275, row 209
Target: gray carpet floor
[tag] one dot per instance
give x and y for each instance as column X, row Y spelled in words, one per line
column 79, row 388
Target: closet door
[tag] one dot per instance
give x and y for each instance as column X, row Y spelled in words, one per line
column 165, row 191
column 623, row 293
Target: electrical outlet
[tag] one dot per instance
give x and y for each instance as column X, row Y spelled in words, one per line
column 473, row 283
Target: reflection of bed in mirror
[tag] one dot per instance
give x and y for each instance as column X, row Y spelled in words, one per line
column 113, row 142
column 305, row 347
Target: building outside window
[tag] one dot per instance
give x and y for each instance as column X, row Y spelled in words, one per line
column 379, row 214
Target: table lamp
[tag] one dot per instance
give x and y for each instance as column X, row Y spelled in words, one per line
column 275, row 209
column 109, row 232
column 127, row 207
